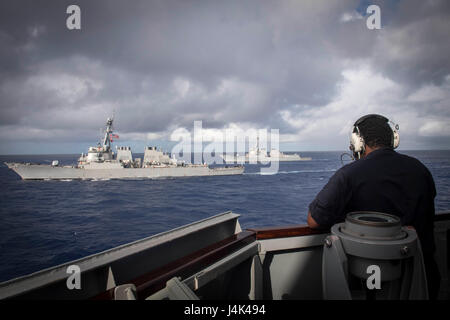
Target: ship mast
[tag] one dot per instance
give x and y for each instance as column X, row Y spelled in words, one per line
column 106, row 140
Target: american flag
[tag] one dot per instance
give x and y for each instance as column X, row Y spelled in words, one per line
column 111, row 136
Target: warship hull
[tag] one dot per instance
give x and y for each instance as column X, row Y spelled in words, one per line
column 47, row 172
column 245, row 159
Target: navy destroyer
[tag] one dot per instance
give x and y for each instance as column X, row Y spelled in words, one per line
column 257, row 154
column 101, row 162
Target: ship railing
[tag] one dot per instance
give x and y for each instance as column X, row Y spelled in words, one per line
column 259, row 263
column 261, row 249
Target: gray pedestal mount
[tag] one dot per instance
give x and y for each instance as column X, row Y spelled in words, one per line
column 371, row 256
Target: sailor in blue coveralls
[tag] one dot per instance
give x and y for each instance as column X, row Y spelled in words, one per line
column 381, row 180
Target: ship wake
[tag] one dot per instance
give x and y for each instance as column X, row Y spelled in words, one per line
column 288, row 172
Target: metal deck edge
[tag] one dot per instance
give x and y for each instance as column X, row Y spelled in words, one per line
column 53, row 274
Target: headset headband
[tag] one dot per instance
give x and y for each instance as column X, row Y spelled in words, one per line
column 362, row 119
column 357, row 143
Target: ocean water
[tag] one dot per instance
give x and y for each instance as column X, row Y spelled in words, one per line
column 46, row 223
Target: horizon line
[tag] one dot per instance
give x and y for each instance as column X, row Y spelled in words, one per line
column 310, row 151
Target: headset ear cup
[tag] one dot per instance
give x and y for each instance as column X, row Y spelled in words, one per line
column 357, row 142
column 395, row 135
column 396, row 139
column 363, row 144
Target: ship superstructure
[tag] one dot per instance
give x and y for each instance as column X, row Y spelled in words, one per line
column 257, row 154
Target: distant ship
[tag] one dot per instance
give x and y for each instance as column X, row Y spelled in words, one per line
column 102, row 163
column 261, row 155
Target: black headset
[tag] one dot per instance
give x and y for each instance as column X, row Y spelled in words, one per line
column 357, row 143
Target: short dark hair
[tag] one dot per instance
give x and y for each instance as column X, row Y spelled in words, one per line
column 376, row 132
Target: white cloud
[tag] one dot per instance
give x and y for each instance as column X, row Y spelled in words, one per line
column 363, row 91
column 432, row 92
column 240, row 133
column 64, row 86
column 181, row 86
column 37, row 31
column 308, row 68
column 27, row 133
column 180, row 134
column 360, row 92
column 435, row 128
column 351, row 16
column 154, row 136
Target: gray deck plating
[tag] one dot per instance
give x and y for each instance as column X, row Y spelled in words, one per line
column 123, row 263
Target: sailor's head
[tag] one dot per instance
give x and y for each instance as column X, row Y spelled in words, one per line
column 373, row 131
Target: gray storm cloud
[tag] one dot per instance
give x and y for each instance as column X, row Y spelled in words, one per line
column 307, row 68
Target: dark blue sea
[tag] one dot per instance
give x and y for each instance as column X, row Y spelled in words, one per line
column 46, row 223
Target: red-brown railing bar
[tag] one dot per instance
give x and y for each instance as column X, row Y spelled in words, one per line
column 303, row 230
column 156, row 279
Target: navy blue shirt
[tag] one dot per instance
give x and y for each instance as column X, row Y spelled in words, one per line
column 383, row 181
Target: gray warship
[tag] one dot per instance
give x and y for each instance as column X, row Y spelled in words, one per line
column 101, row 162
column 257, row 154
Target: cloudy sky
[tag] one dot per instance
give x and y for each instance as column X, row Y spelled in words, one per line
column 306, row 68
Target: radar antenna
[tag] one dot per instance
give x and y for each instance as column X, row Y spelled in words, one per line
column 108, row 132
